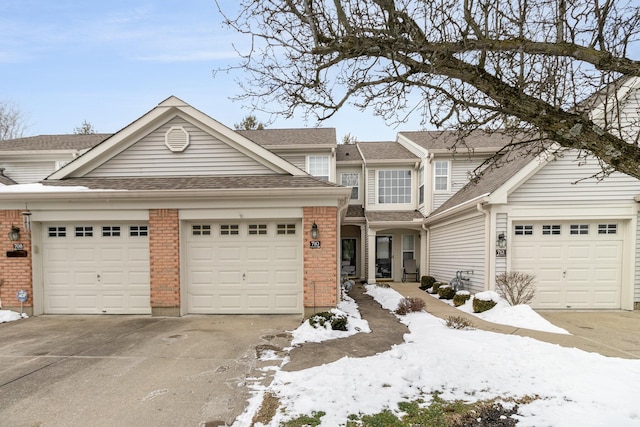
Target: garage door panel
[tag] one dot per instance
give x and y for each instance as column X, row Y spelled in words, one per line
column 97, row 274
column 246, row 269
column 571, row 270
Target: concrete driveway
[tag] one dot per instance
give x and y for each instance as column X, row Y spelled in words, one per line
column 134, row 370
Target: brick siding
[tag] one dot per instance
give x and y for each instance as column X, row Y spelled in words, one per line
column 164, row 257
column 15, row 273
column 320, row 265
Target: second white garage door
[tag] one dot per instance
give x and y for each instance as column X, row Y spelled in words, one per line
column 576, row 264
column 244, row 267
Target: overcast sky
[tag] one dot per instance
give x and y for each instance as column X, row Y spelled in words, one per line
column 109, row 62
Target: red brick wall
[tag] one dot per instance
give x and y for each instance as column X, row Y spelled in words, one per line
column 320, row 265
column 15, row 273
column 164, row 253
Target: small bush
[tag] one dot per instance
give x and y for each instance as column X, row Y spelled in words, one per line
column 338, row 323
column 436, row 286
column 446, row 292
column 409, row 305
column 516, row 287
column 459, row 322
column 426, row 282
column 480, row 305
column 460, row 298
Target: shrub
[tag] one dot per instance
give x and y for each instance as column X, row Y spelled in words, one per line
column 516, row 287
column 436, row 286
column 409, row 305
column 338, row 323
column 481, row 305
column 459, row 322
column 426, row 282
column 446, row 292
column 461, row 297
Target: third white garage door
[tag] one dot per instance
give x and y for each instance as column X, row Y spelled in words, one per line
column 244, row 267
column 577, row 264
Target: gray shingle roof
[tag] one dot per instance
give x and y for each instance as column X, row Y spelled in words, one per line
column 385, row 151
column 347, row 153
column 54, row 142
column 445, row 140
column 195, row 183
column 355, row 211
column 284, row 137
column 491, row 178
column 374, row 216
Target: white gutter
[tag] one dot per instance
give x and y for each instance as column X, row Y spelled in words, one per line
column 488, row 258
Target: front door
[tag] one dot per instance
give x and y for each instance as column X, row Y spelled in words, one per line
column 383, row 257
column 348, row 264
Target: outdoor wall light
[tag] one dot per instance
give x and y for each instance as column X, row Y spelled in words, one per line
column 314, row 230
column 502, row 241
column 14, row 234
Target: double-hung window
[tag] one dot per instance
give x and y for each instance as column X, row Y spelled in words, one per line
column 421, row 186
column 351, row 180
column 441, row 175
column 394, row 186
column 318, row 166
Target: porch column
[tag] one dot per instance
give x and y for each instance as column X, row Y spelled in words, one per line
column 424, row 267
column 371, row 256
column 364, row 245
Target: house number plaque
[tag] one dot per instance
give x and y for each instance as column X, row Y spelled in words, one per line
column 314, row 244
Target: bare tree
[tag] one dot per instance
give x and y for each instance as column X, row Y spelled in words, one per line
column 13, row 122
column 85, row 128
column 250, row 122
column 531, row 67
column 348, row 138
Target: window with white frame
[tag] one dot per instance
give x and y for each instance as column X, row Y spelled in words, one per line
column 110, row 231
column 441, row 175
column 421, row 185
column 579, row 229
column 351, row 180
column 523, row 230
column 607, row 228
column 201, row 230
column 551, row 229
column 408, row 247
column 138, row 230
column 318, row 166
column 84, row 231
column 394, row 186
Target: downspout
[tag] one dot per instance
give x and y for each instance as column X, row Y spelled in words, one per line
column 487, row 243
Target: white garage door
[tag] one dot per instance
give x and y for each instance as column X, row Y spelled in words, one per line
column 576, row 264
column 244, row 267
column 96, row 268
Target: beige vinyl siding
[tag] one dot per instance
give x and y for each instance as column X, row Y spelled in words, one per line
column 636, row 293
column 205, row 155
column 554, row 185
column 458, row 245
column 28, row 172
column 371, row 187
column 460, row 167
column 298, row 160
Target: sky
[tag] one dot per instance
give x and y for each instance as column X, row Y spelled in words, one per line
column 573, row 387
column 109, row 62
column 64, row 62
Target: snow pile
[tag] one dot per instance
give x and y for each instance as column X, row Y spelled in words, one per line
column 347, row 307
column 10, row 316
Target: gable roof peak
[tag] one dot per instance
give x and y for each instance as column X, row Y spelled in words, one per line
column 173, row 101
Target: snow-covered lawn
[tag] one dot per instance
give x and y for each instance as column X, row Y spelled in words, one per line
column 574, row 388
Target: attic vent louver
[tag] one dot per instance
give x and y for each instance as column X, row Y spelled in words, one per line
column 176, row 139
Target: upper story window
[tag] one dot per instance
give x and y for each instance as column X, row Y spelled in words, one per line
column 394, row 186
column 351, row 180
column 318, row 166
column 441, row 175
column 421, row 185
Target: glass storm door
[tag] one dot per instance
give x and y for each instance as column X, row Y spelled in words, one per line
column 348, row 264
column 383, row 257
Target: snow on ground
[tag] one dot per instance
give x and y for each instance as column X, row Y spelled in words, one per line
column 520, row 316
column 10, row 316
column 574, row 387
column 347, row 307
